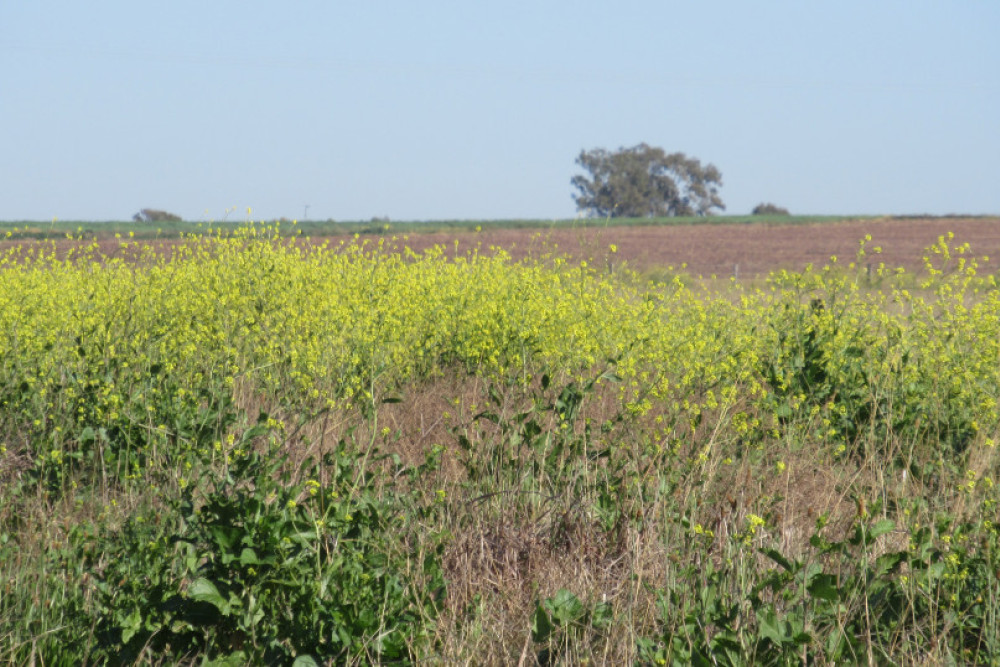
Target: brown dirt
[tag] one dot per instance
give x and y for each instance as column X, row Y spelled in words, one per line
column 718, row 249
column 749, row 250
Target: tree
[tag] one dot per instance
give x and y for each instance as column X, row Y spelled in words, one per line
column 645, row 181
column 769, row 209
column 153, row 215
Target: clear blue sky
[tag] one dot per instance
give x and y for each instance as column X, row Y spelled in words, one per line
column 444, row 110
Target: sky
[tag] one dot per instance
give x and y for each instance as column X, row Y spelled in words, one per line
column 478, row 110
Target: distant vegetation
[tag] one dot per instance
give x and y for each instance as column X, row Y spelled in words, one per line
column 769, row 209
column 105, row 229
column 153, row 215
column 645, row 181
column 33, row 229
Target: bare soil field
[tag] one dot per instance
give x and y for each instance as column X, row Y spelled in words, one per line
column 718, row 249
column 721, row 250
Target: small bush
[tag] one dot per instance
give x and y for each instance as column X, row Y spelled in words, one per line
column 769, row 209
column 153, row 215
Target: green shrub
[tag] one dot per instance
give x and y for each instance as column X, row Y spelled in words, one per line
column 769, row 209
column 250, row 566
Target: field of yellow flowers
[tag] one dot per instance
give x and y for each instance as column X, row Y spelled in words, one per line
column 248, row 448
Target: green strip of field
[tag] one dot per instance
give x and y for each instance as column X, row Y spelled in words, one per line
column 33, row 229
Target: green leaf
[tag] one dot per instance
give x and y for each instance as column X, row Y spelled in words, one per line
column 131, row 624
column 771, row 627
column 203, row 590
column 225, row 536
column 882, row 527
column 305, row 661
column 835, row 644
column 603, row 615
column 824, row 587
column 541, row 625
column 887, row 563
column 249, row 557
column 776, row 556
column 611, row 376
column 235, row 659
column 565, row 607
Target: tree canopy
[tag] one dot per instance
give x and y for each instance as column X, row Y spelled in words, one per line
column 767, row 208
column 154, row 215
column 645, row 181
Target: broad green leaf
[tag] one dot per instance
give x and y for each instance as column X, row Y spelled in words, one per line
column 249, row 557
column 565, row 607
column 771, row 626
column 882, row 527
column 824, row 587
column 131, row 624
column 203, row 590
column 541, row 625
column 225, row 536
column 888, row 563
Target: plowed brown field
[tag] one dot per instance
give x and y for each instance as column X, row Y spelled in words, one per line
column 747, row 250
column 755, row 248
